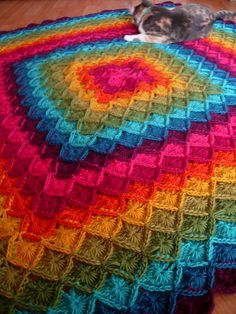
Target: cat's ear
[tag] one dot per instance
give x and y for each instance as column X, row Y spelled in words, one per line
column 131, row 6
column 147, row 3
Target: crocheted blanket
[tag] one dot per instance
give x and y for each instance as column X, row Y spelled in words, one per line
column 118, row 169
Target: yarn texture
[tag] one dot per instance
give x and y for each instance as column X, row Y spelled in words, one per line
column 117, row 169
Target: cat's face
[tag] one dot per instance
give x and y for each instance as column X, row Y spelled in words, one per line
column 134, row 6
column 137, row 12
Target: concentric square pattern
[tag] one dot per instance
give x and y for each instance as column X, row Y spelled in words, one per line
column 118, row 169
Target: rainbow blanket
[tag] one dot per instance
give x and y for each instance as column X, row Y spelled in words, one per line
column 117, row 169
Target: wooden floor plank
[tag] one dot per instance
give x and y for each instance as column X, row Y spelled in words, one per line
column 18, row 13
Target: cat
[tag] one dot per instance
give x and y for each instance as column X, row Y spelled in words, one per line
column 183, row 23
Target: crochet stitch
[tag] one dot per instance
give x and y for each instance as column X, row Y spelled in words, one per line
column 117, row 169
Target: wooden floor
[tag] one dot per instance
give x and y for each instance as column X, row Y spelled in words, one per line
column 18, row 13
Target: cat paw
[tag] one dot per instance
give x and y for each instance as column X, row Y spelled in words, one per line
column 129, row 37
